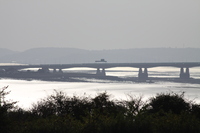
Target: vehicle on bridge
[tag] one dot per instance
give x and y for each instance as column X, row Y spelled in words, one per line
column 102, row 60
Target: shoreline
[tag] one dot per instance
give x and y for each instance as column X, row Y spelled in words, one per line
column 84, row 77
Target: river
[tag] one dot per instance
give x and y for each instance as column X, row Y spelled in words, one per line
column 29, row 92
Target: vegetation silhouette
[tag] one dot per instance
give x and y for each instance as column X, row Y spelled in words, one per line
column 169, row 102
column 164, row 113
column 5, row 106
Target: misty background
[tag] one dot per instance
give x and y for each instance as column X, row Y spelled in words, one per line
column 72, row 55
column 99, row 25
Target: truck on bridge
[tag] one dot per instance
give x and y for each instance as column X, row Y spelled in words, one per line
column 102, row 60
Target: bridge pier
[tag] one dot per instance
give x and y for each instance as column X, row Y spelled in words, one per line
column 184, row 74
column 143, row 75
column 60, row 71
column 54, row 70
column 98, row 71
column 44, row 70
column 101, row 72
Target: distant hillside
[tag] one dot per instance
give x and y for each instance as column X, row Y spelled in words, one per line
column 4, row 52
column 73, row 55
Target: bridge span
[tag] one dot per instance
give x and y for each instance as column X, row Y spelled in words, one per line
column 101, row 67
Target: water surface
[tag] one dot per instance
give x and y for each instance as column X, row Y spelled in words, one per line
column 28, row 92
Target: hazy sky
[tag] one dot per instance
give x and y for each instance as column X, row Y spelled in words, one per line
column 99, row 24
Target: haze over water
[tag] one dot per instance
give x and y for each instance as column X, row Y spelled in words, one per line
column 29, row 92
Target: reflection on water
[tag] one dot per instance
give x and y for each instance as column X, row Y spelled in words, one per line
column 28, row 92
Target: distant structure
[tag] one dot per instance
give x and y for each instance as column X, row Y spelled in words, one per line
column 12, row 70
column 102, row 60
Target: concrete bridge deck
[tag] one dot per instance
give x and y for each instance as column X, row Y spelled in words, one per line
column 142, row 72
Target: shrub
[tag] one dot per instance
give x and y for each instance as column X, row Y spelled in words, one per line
column 5, row 106
column 59, row 104
column 169, row 102
column 196, row 110
column 166, row 112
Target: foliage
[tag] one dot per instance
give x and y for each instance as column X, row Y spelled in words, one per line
column 169, row 102
column 166, row 112
column 59, row 104
column 5, row 106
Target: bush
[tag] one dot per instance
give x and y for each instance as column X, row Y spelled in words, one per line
column 59, row 104
column 196, row 110
column 166, row 112
column 5, row 106
column 169, row 102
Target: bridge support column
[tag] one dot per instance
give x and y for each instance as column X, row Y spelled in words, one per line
column 184, row 74
column 146, row 73
column 140, row 73
column 60, row 70
column 101, row 72
column 54, row 70
column 98, row 71
column 143, row 75
column 44, row 70
column 187, row 73
column 181, row 73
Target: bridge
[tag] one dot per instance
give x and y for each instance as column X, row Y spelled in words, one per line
column 101, row 67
